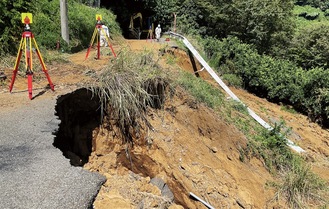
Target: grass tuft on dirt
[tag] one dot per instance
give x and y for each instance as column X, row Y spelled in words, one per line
column 127, row 87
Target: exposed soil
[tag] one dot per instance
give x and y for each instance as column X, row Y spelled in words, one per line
column 191, row 149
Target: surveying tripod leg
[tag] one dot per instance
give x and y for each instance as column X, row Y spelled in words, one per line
column 91, row 43
column 29, row 71
column 98, row 46
column 29, row 83
column 51, row 85
column 18, row 58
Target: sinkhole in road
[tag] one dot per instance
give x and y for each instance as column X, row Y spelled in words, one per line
column 80, row 114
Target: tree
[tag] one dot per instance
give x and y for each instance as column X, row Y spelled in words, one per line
column 64, row 21
column 10, row 23
column 264, row 23
column 321, row 4
column 164, row 11
column 310, row 47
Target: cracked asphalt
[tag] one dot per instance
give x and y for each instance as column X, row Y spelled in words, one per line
column 33, row 173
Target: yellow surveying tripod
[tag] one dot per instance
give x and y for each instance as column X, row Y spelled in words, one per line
column 26, row 45
column 97, row 34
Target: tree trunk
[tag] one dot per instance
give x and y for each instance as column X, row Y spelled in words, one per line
column 64, row 20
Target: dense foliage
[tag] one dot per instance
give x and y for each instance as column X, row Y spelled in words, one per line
column 310, row 46
column 10, row 19
column 267, row 24
column 46, row 24
column 275, row 79
column 322, row 4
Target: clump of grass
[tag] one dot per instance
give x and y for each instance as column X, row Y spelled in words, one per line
column 300, row 186
column 238, row 106
column 201, row 90
column 127, row 87
column 123, row 99
column 171, row 59
column 271, row 147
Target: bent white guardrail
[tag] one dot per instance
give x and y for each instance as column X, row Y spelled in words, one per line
column 228, row 91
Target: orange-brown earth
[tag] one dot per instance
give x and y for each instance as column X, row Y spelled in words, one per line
column 191, row 148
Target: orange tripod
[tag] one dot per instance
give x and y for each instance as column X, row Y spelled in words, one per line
column 26, row 45
column 97, row 32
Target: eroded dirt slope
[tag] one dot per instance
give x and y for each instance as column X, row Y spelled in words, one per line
column 192, row 149
column 308, row 135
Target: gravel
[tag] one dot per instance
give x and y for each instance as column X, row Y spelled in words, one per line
column 33, row 173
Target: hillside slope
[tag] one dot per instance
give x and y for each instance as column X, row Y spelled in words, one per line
column 192, row 150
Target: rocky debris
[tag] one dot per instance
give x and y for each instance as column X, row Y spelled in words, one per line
column 165, row 190
column 214, row 149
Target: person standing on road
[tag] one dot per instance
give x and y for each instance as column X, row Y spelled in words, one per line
column 158, row 32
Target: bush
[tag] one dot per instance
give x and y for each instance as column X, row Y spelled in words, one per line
column 309, row 47
column 275, row 79
column 271, row 147
column 10, row 24
column 316, row 95
column 46, row 24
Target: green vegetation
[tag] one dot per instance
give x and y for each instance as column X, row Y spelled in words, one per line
column 322, row 4
column 266, row 24
column 276, row 79
column 271, row 146
column 309, row 47
column 297, row 184
column 10, row 20
column 300, row 185
column 307, row 15
column 126, row 87
column 46, row 24
column 201, row 90
column 81, row 24
column 251, row 44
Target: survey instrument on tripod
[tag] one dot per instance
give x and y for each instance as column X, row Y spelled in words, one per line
column 25, row 46
column 98, row 33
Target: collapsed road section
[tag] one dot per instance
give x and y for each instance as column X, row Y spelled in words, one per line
column 80, row 114
column 34, row 173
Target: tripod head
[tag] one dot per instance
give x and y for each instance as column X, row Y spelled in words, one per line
column 27, row 20
column 99, row 19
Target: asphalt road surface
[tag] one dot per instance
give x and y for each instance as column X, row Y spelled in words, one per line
column 33, row 173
